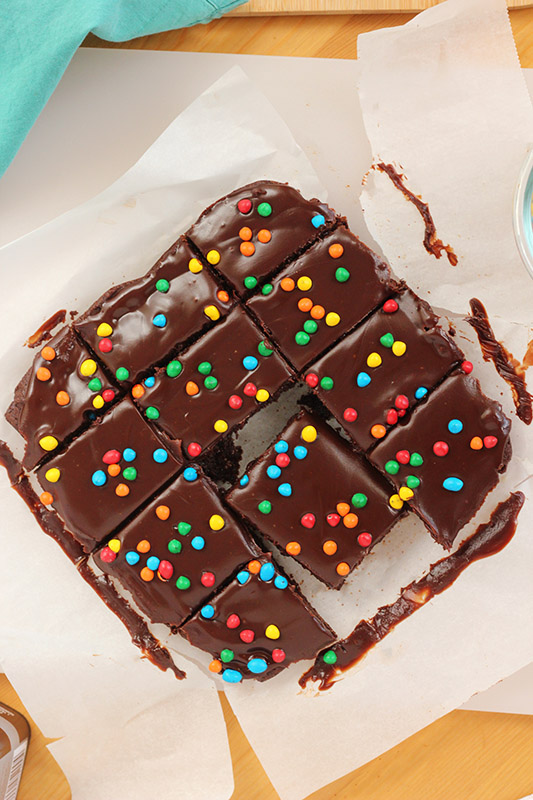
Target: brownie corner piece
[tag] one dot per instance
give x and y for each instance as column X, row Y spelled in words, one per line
column 257, row 625
column 448, row 456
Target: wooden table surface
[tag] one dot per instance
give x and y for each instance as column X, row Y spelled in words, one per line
column 464, row 756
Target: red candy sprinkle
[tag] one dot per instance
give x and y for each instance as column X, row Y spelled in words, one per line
column 250, row 390
column 392, row 416
column 111, row 457
column 165, row 570
column 402, row 456
column 333, row 520
column 308, row 520
column 233, row 621
column 364, row 539
column 207, row 579
column 440, row 448
column 278, row 655
column 401, row 401
column 107, row 555
column 108, row 395
column 350, row 414
column 401, row 412
column 490, row 441
column 235, row 401
column 244, row 206
column 247, row 635
column 283, row 460
column 194, row 449
column 390, row 306
column 105, row 345
column 467, row 367
column 312, row 379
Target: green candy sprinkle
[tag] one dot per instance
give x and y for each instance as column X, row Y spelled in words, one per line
column 162, row 285
column 392, row 467
column 359, row 500
column 264, row 209
column 210, row 382
column 264, row 350
column 387, row 340
column 183, row 582
column 174, row 546
column 227, row 655
column 326, row 383
column 152, row 412
column 310, row 326
column 204, row 367
column 412, row 481
column 122, row 374
column 130, row 473
column 342, row 275
column 416, row 460
column 265, row 506
column 330, row 657
column 174, row 368
column 302, row 338
column 95, row 384
column 250, row 282
column 267, row 288
column 184, row 528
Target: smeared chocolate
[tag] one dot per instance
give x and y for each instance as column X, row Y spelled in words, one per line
column 42, row 334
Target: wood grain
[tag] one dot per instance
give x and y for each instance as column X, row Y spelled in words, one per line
column 256, row 7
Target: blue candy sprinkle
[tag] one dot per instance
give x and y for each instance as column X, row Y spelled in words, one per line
column 159, row 320
column 149, row 382
column 132, row 558
column 453, row 484
column 231, row 676
column 243, row 576
column 280, row 582
column 318, row 220
column 198, row 542
column 99, row 478
column 421, row 392
column 257, row 665
column 160, row 455
column 207, row 612
column 153, row 563
column 273, row 471
column 250, row 362
column 267, row 572
column 363, row 379
column 190, row 474
column 455, row 426
column 128, row 454
column 282, row 446
column 285, row 489
column 300, row 452
column 244, row 480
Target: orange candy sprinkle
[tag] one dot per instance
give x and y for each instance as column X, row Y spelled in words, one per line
column 62, row 398
column 122, row 490
column 48, row 353
column 329, row 547
column 43, row 374
column 247, row 248
column 342, row 509
column 46, row 498
column 143, row 546
column 476, row 443
column 162, row 512
column 137, row 390
column 336, row 250
column 350, row 520
column 305, row 304
column 215, row 666
column 378, row 431
column 223, row 296
column 191, row 388
column 147, row 574
column 264, row 236
column 245, row 234
column 287, row 284
column 113, row 470
column 317, row 312
column 293, row 548
column 254, row 567
column 343, row 568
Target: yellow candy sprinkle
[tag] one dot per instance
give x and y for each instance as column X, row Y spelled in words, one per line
column 309, row 433
column 272, row 632
column 399, row 348
column 195, row 265
column 262, row 395
column 374, row 360
column 396, row 501
column 48, row 443
column 213, row 256
column 406, row 493
column 216, row 523
column 104, row 329
column 114, row 545
column 88, row 367
column 98, row 401
column 304, row 283
column 52, row 475
column 221, row 426
column 332, row 319
column 212, row 312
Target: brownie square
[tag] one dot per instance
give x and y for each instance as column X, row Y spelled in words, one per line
column 381, row 371
column 62, row 392
column 136, row 324
column 250, row 233
column 105, row 474
column 257, row 625
column 213, row 386
column 448, row 456
column 316, row 299
column 316, row 499
column 179, row 550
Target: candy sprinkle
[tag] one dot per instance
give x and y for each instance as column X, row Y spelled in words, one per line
column 399, row 348
column 48, row 353
column 329, row 547
column 195, row 265
column 287, row 284
column 453, row 484
column 363, row 379
column 293, row 548
column 342, row 275
column 455, row 426
column 197, row 542
column 330, row 657
column 213, row 257
column 250, row 282
column 390, row 306
column 267, row 572
column 318, row 220
column 308, row 520
column 207, row 612
column 264, row 209
column 309, row 433
column 359, row 500
column 52, row 475
column 332, row 319
column 395, row 501
column 212, row 312
column 46, row 498
column 336, row 250
column 162, row 512
column 221, row 426
column 190, row 474
column 264, row 236
column 342, row 568
column 265, row 507
column 122, row 374
column 99, row 478
column 476, row 443
column 43, row 374
column 62, row 398
column 349, row 414
column 272, row 632
column 88, row 367
column 160, row 455
column 216, row 522
column 174, row 368
column 441, row 449
column 162, row 285
column 48, row 443
column 231, row 676
column 244, row 205
column 257, row 665
column 364, row 539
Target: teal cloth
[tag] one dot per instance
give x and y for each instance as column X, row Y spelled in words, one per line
column 39, row 37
